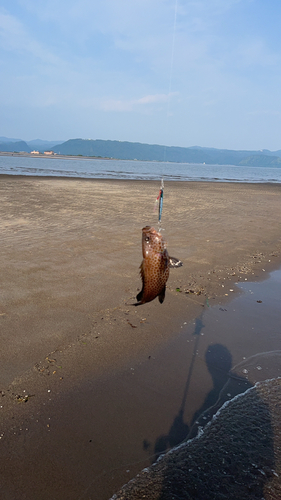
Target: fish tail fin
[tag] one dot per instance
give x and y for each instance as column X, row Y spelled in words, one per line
column 173, row 262
column 161, row 295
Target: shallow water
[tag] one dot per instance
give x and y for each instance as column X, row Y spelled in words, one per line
column 135, row 170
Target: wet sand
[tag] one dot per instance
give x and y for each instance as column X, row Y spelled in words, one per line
column 70, row 336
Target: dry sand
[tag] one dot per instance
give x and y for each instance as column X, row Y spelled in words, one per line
column 70, row 255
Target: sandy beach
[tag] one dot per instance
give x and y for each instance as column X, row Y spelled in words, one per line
column 70, row 254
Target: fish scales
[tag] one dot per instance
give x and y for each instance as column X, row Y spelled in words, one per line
column 155, row 267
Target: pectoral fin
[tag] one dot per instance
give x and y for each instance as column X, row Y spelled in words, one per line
column 175, row 262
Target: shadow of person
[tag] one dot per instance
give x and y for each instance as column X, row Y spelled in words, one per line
column 179, row 429
column 225, row 386
column 236, row 457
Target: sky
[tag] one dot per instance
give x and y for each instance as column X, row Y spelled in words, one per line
column 175, row 72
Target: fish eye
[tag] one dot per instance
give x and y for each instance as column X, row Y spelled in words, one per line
column 147, row 239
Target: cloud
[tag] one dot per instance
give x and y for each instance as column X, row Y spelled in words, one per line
column 14, row 37
column 143, row 103
column 94, row 60
column 254, row 52
column 138, row 37
column 260, row 113
column 149, row 99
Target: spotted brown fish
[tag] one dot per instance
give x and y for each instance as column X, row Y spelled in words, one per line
column 155, row 267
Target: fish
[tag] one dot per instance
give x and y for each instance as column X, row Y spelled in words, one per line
column 155, row 266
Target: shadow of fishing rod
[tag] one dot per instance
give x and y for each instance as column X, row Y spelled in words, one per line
column 179, row 429
column 197, row 331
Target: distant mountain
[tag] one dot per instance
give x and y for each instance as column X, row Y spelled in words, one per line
column 7, row 139
column 43, row 145
column 11, row 145
column 15, row 146
column 262, row 161
column 149, row 152
column 146, row 152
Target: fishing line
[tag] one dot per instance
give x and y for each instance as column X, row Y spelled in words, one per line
column 159, row 200
column 160, row 197
column 171, row 76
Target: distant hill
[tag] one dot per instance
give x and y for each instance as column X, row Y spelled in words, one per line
column 42, row 145
column 262, row 161
column 15, row 146
column 146, row 152
column 7, row 139
column 150, row 152
column 11, row 145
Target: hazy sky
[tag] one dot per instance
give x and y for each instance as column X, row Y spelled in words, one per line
column 174, row 72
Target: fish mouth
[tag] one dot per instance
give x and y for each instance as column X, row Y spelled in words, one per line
column 149, row 229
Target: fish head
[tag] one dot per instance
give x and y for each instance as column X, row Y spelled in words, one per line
column 152, row 241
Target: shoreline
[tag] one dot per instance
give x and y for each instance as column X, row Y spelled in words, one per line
column 70, row 256
column 55, row 156
column 223, row 457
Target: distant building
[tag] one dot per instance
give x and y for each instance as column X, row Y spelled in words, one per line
column 35, row 152
column 49, row 153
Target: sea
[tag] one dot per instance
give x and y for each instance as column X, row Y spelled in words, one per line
column 92, row 168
